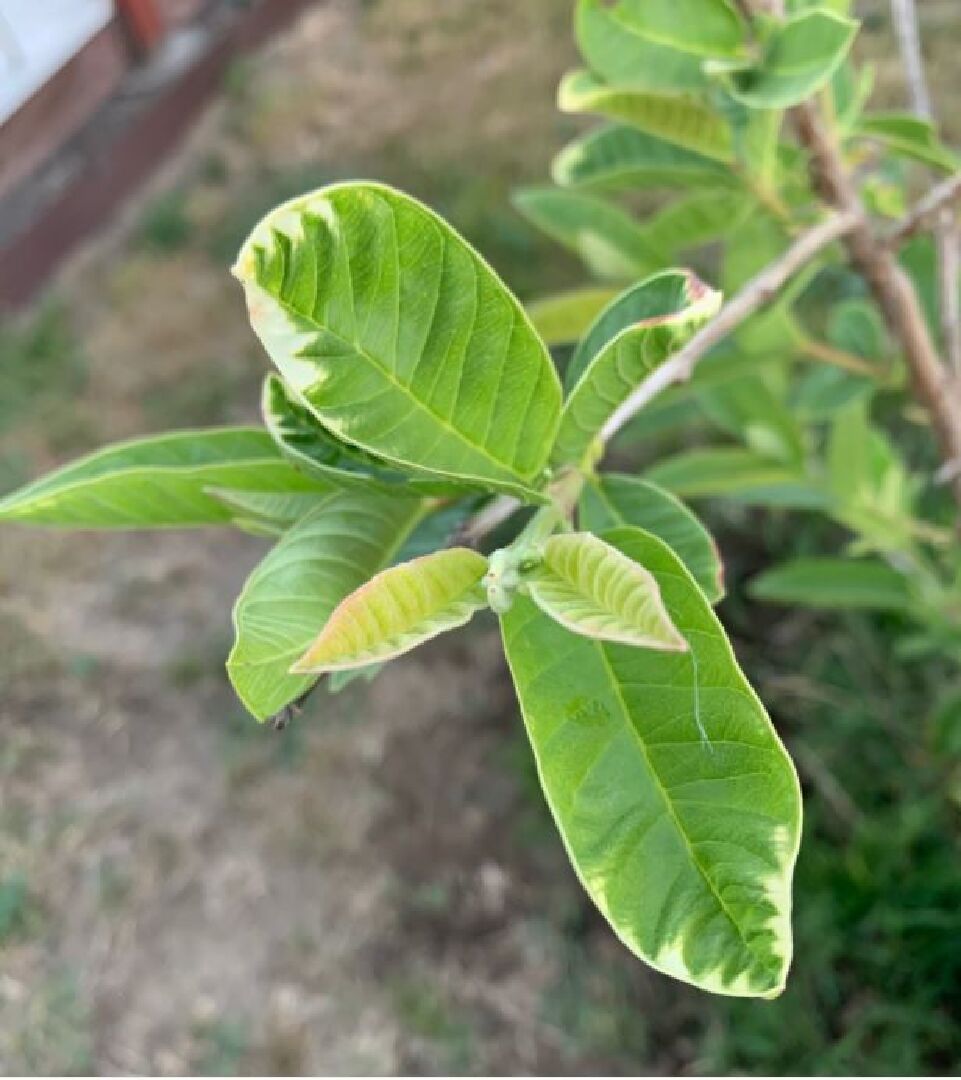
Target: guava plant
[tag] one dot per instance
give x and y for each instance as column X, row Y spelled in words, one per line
column 416, row 413
column 416, row 407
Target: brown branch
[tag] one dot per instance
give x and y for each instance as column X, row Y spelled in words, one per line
column 934, row 386
column 758, row 292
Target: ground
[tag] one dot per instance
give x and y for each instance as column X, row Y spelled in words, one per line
column 378, row 889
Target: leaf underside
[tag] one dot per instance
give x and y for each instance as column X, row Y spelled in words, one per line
column 158, row 482
column 291, row 594
column 400, row 339
column 398, row 610
column 678, row 806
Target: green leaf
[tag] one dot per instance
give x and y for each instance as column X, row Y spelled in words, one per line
column 397, row 610
column 749, row 409
column 800, row 56
column 610, row 500
column 681, row 120
column 157, row 482
column 735, row 473
column 302, row 440
column 632, row 337
column 399, row 338
column 909, row 136
column 676, row 801
column 278, row 510
column 593, row 589
column 617, row 157
column 697, row 219
column 607, row 238
column 656, row 44
column 826, row 582
column 564, row 317
column 290, row 596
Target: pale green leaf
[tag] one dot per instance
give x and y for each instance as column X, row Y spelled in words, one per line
column 397, row 610
column 158, row 482
column 399, row 338
column 610, row 500
column 632, row 337
column 605, row 237
column 618, row 157
column 289, row 597
column 682, row 120
column 826, row 582
column 750, row 409
column 739, row 474
column 565, row 317
column 676, row 801
column 593, row 589
column 909, row 136
column 657, row 44
column 800, row 56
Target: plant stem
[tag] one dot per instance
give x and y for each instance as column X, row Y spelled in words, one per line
column 828, row 354
column 756, row 294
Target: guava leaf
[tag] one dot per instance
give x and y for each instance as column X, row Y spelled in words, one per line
column 591, row 588
column 397, row 610
column 617, row 157
column 700, row 218
column 605, row 237
column 800, row 56
column 827, row 582
column 564, row 317
column 279, row 510
column 908, row 135
column 634, row 335
column 682, row 120
column 291, row 594
column 158, row 482
column 656, row 44
column 610, row 500
column 400, row 339
column 676, row 801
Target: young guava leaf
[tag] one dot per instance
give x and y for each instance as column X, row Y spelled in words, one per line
column 398, row 610
column 657, row 44
column 617, row 157
column 348, row 538
column 607, row 239
column 563, row 317
column 400, row 339
column 700, row 218
column 592, row 589
column 158, row 482
column 610, row 500
column 681, row 120
column 676, row 801
column 637, row 333
column 800, row 56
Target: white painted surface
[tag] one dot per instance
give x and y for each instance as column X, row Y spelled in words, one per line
column 37, row 37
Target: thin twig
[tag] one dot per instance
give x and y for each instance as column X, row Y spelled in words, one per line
column 926, row 209
column 905, row 19
column 485, row 521
column 756, row 294
column 905, row 16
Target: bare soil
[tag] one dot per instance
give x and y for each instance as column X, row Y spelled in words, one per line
column 378, row 890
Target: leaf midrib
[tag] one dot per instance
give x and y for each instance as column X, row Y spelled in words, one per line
column 523, row 478
column 668, row 803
